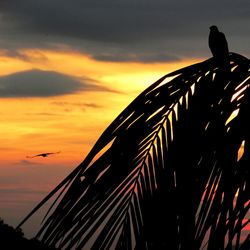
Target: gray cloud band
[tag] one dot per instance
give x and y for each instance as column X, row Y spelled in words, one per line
column 113, row 30
column 37, row 83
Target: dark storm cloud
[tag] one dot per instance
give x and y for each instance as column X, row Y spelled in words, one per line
column 124, row 27
column 37, row 83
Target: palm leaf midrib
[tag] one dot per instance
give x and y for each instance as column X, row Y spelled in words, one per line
column 110, row 203
column 151, row 143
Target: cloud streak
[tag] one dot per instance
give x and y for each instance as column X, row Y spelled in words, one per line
column 76, row 104
column 27, row 163
column 37, row 83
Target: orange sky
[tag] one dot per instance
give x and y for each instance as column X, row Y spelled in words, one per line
column 68, row 39
column 68, row 123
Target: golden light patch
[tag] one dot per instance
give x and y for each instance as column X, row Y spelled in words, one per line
column 70, row 123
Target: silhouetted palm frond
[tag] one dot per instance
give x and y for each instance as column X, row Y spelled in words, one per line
column 171, row 171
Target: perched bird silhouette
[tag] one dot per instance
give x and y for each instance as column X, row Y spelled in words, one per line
column 43, row 154
column 218, row 45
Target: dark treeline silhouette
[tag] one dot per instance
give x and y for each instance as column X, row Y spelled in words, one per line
column 13, row 239
column 172, row 171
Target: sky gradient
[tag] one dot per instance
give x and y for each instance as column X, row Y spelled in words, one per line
column 67, row 69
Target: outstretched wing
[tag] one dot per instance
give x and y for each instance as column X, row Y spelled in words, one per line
column 43, row 154
column 170, row 171
column 51, row 153
column 33, row 156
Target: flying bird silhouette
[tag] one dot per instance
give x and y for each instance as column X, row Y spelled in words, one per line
column 43, row 154
column 218, row 45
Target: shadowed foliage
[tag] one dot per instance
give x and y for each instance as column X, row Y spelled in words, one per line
column 170, row 172
column 12, row 239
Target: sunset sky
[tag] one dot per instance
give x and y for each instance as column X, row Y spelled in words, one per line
column 68, row 68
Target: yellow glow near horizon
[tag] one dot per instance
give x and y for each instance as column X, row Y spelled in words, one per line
column 67, row 123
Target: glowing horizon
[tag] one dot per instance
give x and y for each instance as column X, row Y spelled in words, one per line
column 72, row 121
